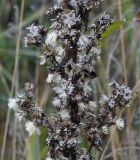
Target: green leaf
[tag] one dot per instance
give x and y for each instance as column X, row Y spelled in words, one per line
column 110, row 30
column 43, row 143
column 33, row 148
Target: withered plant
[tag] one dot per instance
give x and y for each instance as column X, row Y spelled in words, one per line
column 71, row 49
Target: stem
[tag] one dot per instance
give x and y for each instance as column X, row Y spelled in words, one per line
column 122, row 42
column 16, row 71
column 73, row 155
column 74, row 112
column 124, row 66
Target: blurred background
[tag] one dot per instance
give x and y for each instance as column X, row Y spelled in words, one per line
column 120, row 60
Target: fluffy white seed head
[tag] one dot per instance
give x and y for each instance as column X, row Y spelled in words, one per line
column 82, row 106
column 83, row 40
column 20, row 115
column 51, row 39
column 64, row 114
column 12, row 104
column 56, row 102
column 63, row 96
column 60, row 51
column 92, row 104
column 105, row 129
column 50, row 78
column 34, row 29
column 71, row 20
column 31, row 128
column 120, row 123
column 42, row 60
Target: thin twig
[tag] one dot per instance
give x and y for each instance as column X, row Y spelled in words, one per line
column 15, row 74
column 123, row 58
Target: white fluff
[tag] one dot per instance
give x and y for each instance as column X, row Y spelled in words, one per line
column 50, row 78
column 42, row 60
column 34, row 29
column 71, row 20
column 64, row 114
column 74, row 3
column 93, row 104
column 63, row 96
column 56, row 102
column 12, row 104
column 60, row 51
column 83, row 40
column 105, row 129
column 20, row 115
column 82, row 106
column 120, row 123
column 51, row 39
column 31, row 128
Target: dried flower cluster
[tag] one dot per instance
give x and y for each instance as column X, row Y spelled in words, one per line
column 71, row 50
